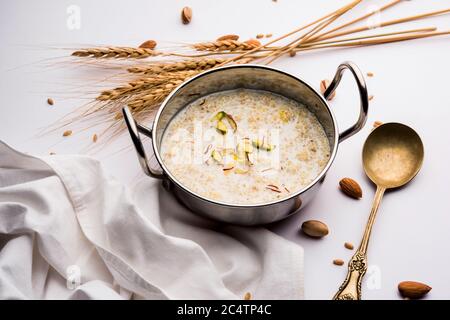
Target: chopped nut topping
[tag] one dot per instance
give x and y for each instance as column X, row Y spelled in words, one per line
column 273, row 188
column 221, row 127
column 216, row 155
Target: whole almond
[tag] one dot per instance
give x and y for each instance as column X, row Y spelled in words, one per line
column 50, row 101
column 315, row 228
column 413, row 289
column 149, row 44
column 351, row 188
column 186, row 15
column 234, row 37
column 324, row 84
column 247, row 296
column 253, row 42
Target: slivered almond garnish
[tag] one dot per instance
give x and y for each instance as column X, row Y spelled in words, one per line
column 370, row 97
column 259, row 36
column 273, row 188
column 207, row 148
column 67, row 133
column 369, row 74
column 94, row 138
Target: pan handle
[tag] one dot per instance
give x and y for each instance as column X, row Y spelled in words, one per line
column 134, row 129
column 364, row 99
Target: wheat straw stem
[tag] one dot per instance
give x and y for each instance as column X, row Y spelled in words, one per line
column 280, row 38
column 387, row 23
column 387, row 6
column 313, row 44
column 315, row 30
column 376, row 41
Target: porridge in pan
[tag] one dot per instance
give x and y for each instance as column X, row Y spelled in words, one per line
column 245, row 147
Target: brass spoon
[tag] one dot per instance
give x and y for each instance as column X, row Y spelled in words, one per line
column 392, row 156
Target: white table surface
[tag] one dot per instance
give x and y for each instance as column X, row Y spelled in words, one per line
column 411, row 237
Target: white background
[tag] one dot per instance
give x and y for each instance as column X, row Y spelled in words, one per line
column 411, row 237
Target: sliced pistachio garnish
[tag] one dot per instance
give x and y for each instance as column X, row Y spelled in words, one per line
column 216, row 155
column 221, row 127
column 250, row 158
column 219, row 115
column 231, row 121
column 263, row 145
column 241, row 170
column 284, row 116
column 245, row 146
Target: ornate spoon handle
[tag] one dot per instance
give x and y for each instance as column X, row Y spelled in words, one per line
column 357, row 267
column 351, row 288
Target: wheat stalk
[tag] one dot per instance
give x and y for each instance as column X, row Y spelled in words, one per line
column 200, row 64
column 150, row 83
column 144, row 83
column 226, row 45
column 117, row 52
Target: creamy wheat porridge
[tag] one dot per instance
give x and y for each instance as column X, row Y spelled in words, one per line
column 245, row 147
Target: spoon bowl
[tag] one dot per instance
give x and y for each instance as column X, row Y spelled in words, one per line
column 392, row 155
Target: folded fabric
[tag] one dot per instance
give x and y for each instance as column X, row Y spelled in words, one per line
column 70, row 231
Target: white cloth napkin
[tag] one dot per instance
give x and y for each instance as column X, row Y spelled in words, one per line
column 70, row 231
